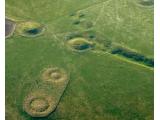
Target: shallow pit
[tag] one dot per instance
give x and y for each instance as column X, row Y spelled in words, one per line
column 9, row 27
column 30, row 29
column 80, row 44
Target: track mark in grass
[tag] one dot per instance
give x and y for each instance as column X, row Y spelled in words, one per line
column 30, row 29
column 137, row 57
column 80, row 44
column 9, row 27
column 42, row 101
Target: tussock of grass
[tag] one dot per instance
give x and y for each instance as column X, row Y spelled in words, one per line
column 30, row 29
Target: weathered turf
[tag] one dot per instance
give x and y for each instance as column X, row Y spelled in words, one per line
column 102, row 86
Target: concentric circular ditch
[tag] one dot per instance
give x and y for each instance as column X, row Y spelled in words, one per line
column 54, row 74
column 39, row 104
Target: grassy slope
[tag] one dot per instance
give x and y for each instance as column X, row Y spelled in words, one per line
column 102, row 86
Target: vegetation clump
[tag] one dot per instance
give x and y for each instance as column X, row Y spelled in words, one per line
column 30, row 29
column 80, row 44
column 76, row 22
column 9, row 27
column 54, row 75
column 39, row 104
column 133, row 55
column 147, row 2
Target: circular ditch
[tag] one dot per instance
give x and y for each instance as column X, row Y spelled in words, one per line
column 146, row 2
column 80, row 44
column 54, row 75
column 38, row 104
column 9, row 27
column 30, row 29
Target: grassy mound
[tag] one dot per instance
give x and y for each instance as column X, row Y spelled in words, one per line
column 54, row 75
column 38, row 104
column 80, row 44
column 9, row 27
column 30, row 29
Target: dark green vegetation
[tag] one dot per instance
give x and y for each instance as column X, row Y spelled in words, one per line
column 133, row 55
column 102, row 86
column 9, row 27
column 147, row 2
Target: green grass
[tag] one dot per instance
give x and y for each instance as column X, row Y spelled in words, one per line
column 101, row 86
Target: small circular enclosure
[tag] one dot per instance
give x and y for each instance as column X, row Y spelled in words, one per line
column 39, row 104
column 54, row 75
column 9, row 27
column 146, row 2
column 80, row 44
column 30, row 29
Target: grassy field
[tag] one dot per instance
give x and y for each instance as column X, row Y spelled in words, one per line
column 102, row 86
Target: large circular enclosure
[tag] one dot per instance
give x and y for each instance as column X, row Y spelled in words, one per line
column 39, row 104
column 80, row 44
column 146, row 2
column 9, row 27
column 30, row 29
column 54, row 74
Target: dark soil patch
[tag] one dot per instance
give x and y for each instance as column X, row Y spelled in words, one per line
column 9, row 27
